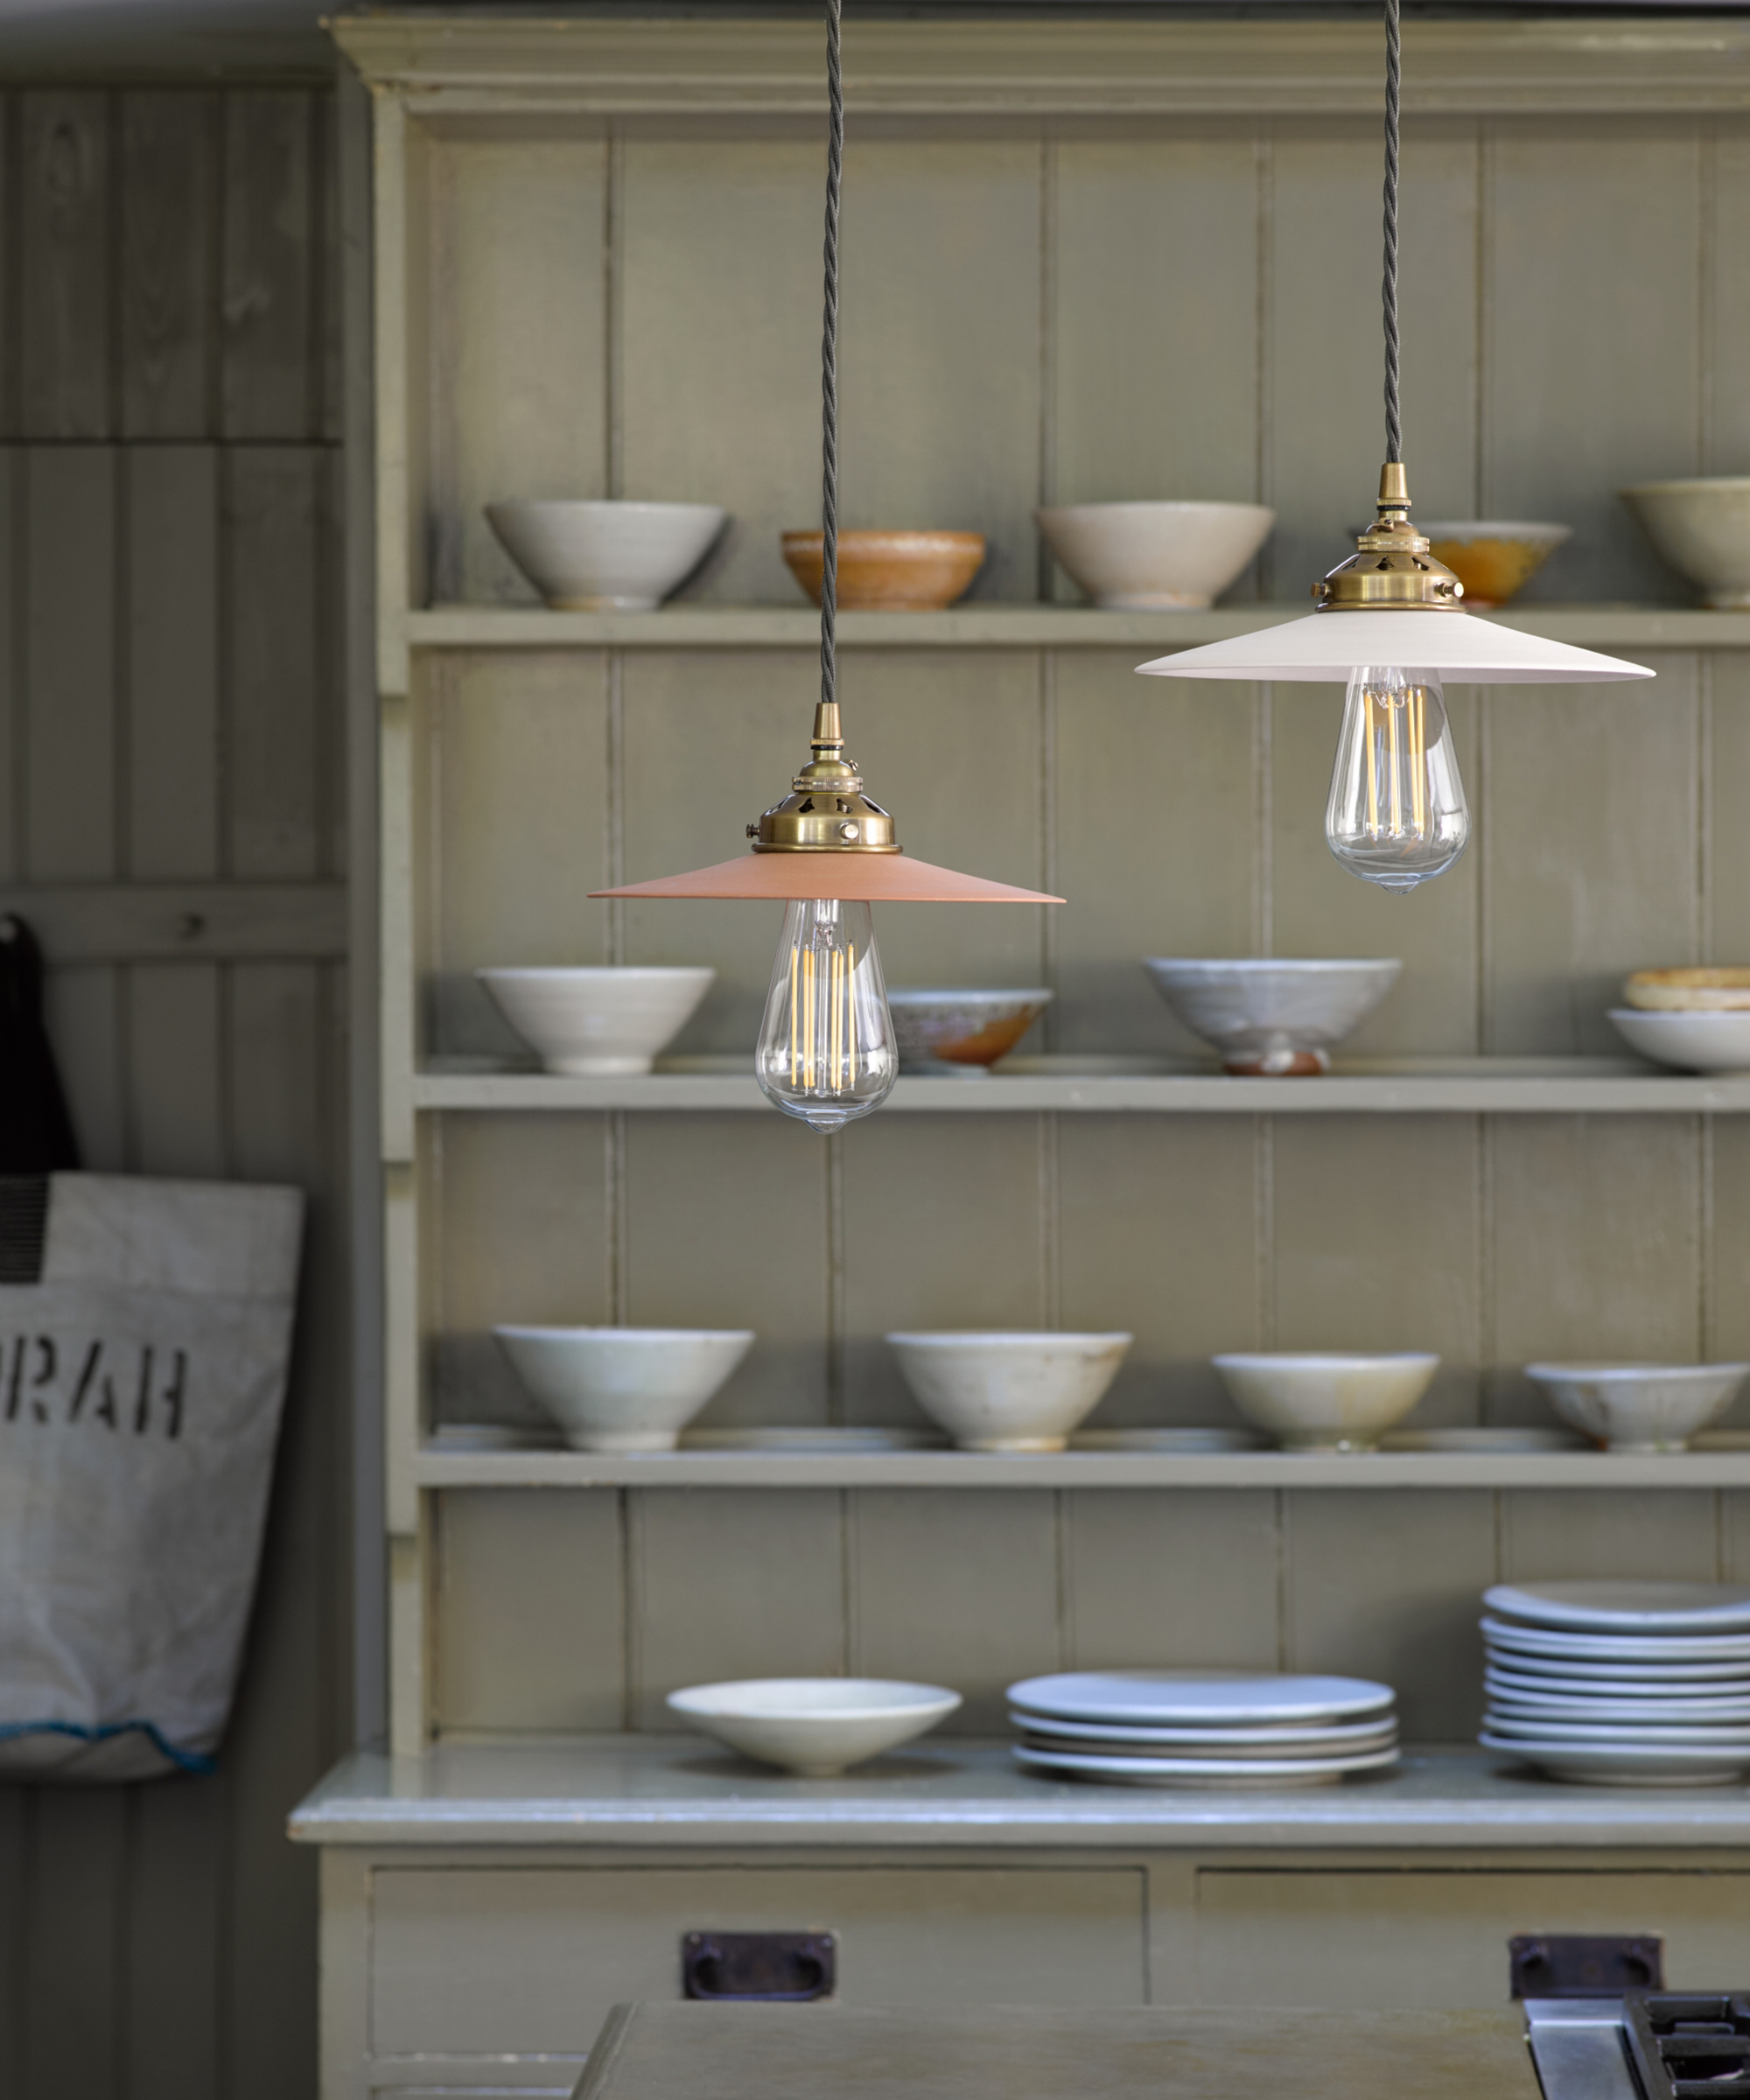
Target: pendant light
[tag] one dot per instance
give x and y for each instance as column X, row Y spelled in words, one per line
column 1388, row 622
column 826, row 1052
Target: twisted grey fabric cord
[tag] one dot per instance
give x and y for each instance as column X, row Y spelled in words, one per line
column 835, row 167
column 1394, row 75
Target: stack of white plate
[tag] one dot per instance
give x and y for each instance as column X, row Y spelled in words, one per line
column 1202, row 1728
column 1620, row 1683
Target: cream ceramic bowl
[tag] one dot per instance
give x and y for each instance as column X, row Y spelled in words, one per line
column 1493, row 560
column 1271, row 1018
column 1325, row 1403
column 815, row 1727
column 1140, row 556
column 598, row 1023
column 1693, row 1042
column 1639, row 1406
column 1702, row 528
column 623, row 1389
column 1009, row 1392
column 960, row 1033
column 606, row 557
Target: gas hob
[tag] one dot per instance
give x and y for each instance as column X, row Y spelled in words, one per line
column 1645, row 2045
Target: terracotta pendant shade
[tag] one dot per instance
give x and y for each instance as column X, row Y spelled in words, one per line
column 857, row 878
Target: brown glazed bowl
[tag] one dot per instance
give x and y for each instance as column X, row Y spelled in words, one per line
column 889, row 571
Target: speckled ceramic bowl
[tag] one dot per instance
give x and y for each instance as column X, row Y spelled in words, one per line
column 960, row 1033
column 1268, row 1017
column 1325, row 1403
column 890, row 572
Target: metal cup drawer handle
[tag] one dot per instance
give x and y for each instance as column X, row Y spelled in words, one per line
column 764, row 1968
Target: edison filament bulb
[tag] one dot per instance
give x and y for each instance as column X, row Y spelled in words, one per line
column 1397, row 815
column 826, row 1046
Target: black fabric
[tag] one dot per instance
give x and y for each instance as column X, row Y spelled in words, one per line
column 35, row 1131
column 23, row 1226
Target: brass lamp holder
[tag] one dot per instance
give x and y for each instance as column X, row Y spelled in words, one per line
column 826, row 810
column 1391, row 569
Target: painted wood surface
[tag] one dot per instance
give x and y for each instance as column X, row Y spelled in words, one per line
column 170, row 814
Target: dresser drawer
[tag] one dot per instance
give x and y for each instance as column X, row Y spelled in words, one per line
column 478, row 1961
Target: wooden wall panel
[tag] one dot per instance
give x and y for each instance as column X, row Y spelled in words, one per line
column 1174, row 1580
column 169, row 154
column 273, row 369
column 65, row 289
column 172, row 659
column 69, row 731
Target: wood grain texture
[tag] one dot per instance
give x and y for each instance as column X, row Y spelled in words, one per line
column 66, row 293
column 71, row 761
column 270, row 374
column 169, row 154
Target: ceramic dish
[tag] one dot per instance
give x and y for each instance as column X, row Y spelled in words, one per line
column 1693, row 1042
column 1702, row 988
column 1009, row 1392
column 623, row 1389
column 1223, row 1754
column 1280, row 1739
column 1713, row 1701
column 1560, row 1728
column 606, row 557
column 598, row 1022
column 1556, row 1672
column 1625, row 1607
column 1617, row 1647
column 960, row 1033
column 1198, row 1772
column 1267, row 1017
column 1631, row 1713
column 823, row 1440
column 1639, row 1407
column 1493, row 560
column 889, row 571
column 1623, row 1765
column 1142, row 556
column 1166, row 1440
column 1325, row 1403
column 1208, row 1697
column 1481, row 1440
column 1701, row 527
column 815, row 1727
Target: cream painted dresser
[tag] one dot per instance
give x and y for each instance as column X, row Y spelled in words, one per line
column 1082, row 260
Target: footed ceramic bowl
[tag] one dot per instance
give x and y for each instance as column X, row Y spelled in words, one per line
column 889, row 571
column 1492, row 560
column 1140, row 556
column 1009, row 1392
column 1693, row 1042
column 1270, row 1018
column 623, row 1389
column 1325, row 1403
column 602, row 1023
column 605, row 557
column 815, row 1727
column 1702, row 528
column 960, row 1033
column 1639, row 1406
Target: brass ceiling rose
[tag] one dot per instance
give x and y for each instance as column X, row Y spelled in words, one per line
column 826, row 810
column 1391, row 569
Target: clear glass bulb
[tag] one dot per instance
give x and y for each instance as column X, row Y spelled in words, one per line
column 826, row 1046
column 1397, row 815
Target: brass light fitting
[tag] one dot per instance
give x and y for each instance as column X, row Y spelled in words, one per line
column 1391, row 569
column 826, row 810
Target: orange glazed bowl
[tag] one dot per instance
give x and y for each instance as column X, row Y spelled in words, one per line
column 889, row 571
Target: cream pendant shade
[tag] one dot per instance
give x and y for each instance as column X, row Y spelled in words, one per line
column 1459, row 647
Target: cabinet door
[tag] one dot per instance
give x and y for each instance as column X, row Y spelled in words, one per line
column 527, row 1960
column 1408, row 1937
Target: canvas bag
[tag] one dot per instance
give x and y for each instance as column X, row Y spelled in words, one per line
column 142, row 1377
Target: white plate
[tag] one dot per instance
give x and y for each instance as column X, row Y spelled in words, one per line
column 1599, row 1765
column 1296, row 1752
column 1193, row 1772
column 1166, row 1698
column 1521, row 1684
column 1670, row 1711
column 1475, row 1440
column 823, row 1438
column 1165, row 1439
column 1620, row 1732
column 1612, row 1606
column 1621, row 1648
column 1293, row 1736
column 1559, row 1671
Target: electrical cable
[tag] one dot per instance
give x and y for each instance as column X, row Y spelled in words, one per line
column 835, row 167
column 1394, row 75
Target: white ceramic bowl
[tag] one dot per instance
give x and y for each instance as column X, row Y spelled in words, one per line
column 1268, row 1017
column 1009, row 1392
column 602, row 1023
column 1144, row 555
column 960, row 1033
column 818, row 1726
column 1325, row 1403
column 623, row 1389
column 1639, row 1406
column 605, row 557
column 1702, row 528
column 1694, row 1042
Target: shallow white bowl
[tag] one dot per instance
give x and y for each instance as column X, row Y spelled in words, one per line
column 1325, row 1403
column 601, row 1023
column 623, row 1389
column 960, row 1033
column 605, row 557
column 818, row 1726
column 1144, row 555
column 1639, row 1406
column 1694, row 1042
column 1702, row 528
column 1268, row 1017
column 1009, row 1392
